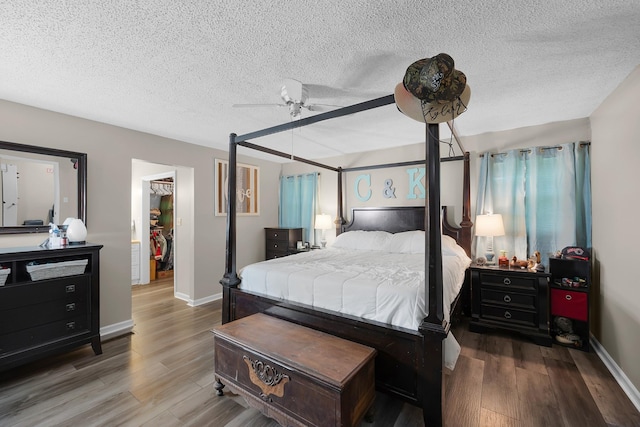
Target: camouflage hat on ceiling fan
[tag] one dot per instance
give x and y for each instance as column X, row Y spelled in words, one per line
column 432, row 90
column 435, row 79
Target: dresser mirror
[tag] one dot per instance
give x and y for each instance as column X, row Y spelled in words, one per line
column 40, row 185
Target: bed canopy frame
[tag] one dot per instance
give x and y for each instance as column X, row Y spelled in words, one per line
column 426, row 388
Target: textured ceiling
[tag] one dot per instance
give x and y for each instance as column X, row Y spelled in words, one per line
column 175, row 68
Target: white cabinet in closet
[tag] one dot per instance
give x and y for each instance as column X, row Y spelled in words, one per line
column 135, row 262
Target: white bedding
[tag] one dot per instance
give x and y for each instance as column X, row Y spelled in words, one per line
column 385, row 284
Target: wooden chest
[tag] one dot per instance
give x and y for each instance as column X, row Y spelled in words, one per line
column 293, row 374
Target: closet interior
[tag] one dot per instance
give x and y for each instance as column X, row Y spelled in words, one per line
column 161, row 229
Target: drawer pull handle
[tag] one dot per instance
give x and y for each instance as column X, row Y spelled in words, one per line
column 507, row 299
column 70, row 288
column 71, row 326
column 506, row 281
column 71, row 306
column 567, row 297
column 275, row 234
column 266, row 377
column 507, row 315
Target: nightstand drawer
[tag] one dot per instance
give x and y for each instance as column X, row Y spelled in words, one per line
column 281, row 234
column 508, row 299
column 569, row 304
column 509, row 315
column 277, row 245
column 504, row 279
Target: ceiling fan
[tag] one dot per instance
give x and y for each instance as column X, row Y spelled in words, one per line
column 295, row 96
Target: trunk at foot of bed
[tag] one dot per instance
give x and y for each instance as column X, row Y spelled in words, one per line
column 430, row 374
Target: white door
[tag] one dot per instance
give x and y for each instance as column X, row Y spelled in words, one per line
column 9, row 195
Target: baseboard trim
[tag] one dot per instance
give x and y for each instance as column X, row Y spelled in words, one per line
column 194, row 303
column 206, row 300
column 116, row 330
column 618, row 374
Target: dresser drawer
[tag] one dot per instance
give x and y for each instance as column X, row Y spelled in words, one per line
column 30, row 293
column 277, row 234
column 509, row 315
column 508, row 281
column 39, row 335
column 570, row 304
column 508, row 299
column 33, row 315
column 277, row 246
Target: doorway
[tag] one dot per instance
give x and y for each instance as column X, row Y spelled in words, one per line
column 143, row 175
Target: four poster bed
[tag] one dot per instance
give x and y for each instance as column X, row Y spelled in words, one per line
column 409, row 361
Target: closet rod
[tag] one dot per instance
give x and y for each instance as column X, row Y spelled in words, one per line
column 161, row 182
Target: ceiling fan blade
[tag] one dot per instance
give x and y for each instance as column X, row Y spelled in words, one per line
column 322, row 107
column 257, row 105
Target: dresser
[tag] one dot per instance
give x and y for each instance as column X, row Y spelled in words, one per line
column 281, row 241
column 510, row 299
column 49, row 303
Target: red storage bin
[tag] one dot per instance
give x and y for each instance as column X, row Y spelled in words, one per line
column 572, row 304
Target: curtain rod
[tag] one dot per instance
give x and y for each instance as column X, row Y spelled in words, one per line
column 528, row 150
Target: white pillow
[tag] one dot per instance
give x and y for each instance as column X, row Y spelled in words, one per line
column 451, row 247
column 365, row 240
column 412, row 242
column 406, row 242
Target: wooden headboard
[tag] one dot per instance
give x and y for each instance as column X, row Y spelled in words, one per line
column 401, row 218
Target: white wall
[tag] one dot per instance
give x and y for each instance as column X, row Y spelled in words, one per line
column 615, row 161
column 110, row 151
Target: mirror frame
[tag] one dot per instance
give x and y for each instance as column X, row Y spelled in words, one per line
column 82, row 183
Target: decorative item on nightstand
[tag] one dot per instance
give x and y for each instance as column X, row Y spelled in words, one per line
column 489, row 225
column 323, row 222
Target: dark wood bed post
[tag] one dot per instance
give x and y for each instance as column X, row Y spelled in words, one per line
column 230, row 278
column 432, row 327
column 466, row 224
column 340, row 221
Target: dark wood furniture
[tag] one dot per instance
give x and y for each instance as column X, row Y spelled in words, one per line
column 281, row 241
column 570, row 289
column 295, row 375
column 39, row 318
column 409, row 364
column 510, row 299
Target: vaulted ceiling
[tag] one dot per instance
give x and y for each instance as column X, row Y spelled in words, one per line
column 176, row 68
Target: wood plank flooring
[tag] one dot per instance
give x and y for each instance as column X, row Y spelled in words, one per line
column 161, row 375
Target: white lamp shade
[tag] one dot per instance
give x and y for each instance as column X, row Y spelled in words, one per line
column 489, row 225
column 76, row 231
column 323, row 222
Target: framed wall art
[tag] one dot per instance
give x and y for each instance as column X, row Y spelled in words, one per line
column 247, row 194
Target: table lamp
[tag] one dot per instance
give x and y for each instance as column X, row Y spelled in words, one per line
column 324, row 223
column 489, row 225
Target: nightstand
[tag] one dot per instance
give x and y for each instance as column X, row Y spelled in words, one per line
column 281, row 241
column 510, row 299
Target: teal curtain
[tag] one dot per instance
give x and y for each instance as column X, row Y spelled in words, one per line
column 298, row 203
column 501, row 191
column 544, row 196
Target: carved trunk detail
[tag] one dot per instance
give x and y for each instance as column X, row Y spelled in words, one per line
column 266, row 377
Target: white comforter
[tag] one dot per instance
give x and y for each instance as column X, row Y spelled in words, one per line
column 375, row 285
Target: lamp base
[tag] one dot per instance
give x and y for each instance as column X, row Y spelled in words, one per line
column 490, row 256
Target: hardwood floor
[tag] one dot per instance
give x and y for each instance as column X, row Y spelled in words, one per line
column 161, row 375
